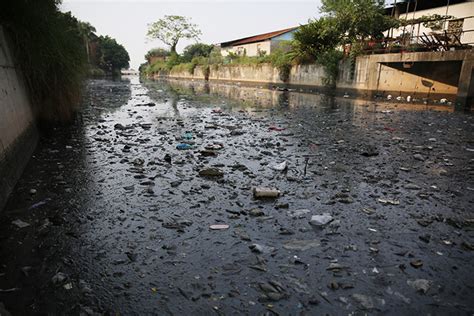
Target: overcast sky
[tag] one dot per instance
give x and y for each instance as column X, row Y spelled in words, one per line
column 219, row 20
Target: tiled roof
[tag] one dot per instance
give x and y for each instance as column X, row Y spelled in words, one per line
column 257, row 38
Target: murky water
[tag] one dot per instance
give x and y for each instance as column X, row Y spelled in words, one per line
column 131, row 231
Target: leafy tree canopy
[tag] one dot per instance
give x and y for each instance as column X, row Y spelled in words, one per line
column 157, row 52
column 358, row 19
column 114, row 56
column 197, row 50
column 172, row 28
column 317, row 36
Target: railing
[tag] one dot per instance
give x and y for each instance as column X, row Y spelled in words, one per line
column 415, row 38
column 439, row 41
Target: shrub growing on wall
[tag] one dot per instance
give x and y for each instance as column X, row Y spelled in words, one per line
column 49, row 49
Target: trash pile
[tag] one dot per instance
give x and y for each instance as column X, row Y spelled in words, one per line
column 172, row 202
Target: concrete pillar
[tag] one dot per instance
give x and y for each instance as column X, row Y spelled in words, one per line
column 465, row 97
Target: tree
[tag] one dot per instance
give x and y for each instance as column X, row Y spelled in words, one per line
column 157, row 52
column 86, row 30
column 358, row 19
column 113, row 55
column 316, row 37
column 171, row 28
column 197, row 50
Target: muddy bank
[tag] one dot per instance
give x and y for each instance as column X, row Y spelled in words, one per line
column 146, row 206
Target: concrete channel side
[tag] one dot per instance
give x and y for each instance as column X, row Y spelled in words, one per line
column 18, row 133
column 431, row 75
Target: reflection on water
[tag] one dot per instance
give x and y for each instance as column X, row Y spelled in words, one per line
column 258, row 96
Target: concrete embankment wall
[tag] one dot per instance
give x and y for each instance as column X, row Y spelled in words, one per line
column 305, row 75
column 18, row 134
column 417, row 77
column 432, row 75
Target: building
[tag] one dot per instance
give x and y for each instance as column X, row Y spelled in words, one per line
column 452, row 21
column 257, row 44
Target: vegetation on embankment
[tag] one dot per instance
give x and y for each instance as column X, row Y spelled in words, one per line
column 51, row 49
column 280, row 59
column 344, row 24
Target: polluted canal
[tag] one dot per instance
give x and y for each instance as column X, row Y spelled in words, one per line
column 172, row 198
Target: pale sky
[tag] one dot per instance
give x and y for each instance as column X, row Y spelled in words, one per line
column 219, row 20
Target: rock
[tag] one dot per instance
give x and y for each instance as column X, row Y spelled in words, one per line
column 211, row 172
column 420, row 285
column 208, row 153
column 256, row 212
column 119, row 127
column 272, row 291
column 33, row 191
column 416, row 264
column 20, row 224
column 419, row 157
column 370, row 151
column 138, row 162
column 426, row 238
column 321, row 220
column 364, row 301
column 301, row 245
column 298, row 213
column 411, row 186
column 175, row 184
column 59, row 278
column 261, row 248
column 334, row 266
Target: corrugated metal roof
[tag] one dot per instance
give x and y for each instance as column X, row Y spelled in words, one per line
column 257, row 38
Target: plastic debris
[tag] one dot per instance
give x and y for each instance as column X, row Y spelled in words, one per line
column 420, row 285
column 281, row 166
column 298, row 213
column 183, row 146
column 219, row 227
column 59, row 278
column 261, row 248
column 266, row 193
column 188, row 136
column 321, row 220
column 211, row 172
column 276, row 128
column 20, row 224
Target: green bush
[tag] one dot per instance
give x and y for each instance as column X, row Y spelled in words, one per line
column 196, row 50
column 282, row 60
column 96, row 72
column 157, row 52
column 330, row 61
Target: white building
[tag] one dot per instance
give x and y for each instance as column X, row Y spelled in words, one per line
column 459, row 28
column 257, row 44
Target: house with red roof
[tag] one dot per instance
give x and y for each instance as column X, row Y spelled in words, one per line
column 257, row 45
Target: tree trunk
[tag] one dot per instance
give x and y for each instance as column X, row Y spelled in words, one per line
column 173, row 48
